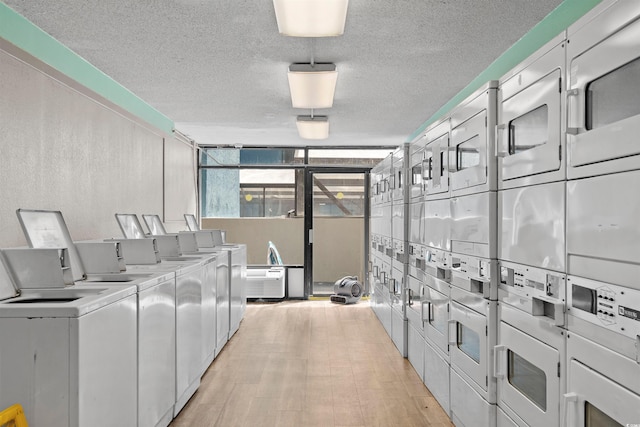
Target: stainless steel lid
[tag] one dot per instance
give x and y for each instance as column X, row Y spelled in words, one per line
column 47, row 229
column 8, row 288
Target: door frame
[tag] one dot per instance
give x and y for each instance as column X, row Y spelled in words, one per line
column 308, row 221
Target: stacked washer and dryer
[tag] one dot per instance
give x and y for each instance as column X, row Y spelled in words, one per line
column 603, row 207
column 531, row 307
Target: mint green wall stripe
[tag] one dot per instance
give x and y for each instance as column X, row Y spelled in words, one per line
column 20, row 32
column 553, row 24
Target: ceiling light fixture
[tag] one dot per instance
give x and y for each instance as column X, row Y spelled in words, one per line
column 311, row 18
column 313, row 127
column 312, row 85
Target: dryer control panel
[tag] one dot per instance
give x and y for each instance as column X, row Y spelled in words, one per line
column 610, row 306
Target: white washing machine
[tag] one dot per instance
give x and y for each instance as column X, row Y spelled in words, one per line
column 69, row 355
column 603, row 354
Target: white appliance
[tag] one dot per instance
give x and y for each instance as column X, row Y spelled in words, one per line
column 603, row 114
column 415, row 325
column 472, row 337
column 435, row 169
column 530, row 144
column 398, row 315
column 69, row 355
column 473, row 203
column 435, row 315
column 265, row 282
column 531, row 225
column 529, row 359
column 603, row 355
column 472, row 161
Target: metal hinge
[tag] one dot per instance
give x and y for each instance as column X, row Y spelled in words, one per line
column 560, row 152
column 558, row 369
column 486, row 331
column 485, row 121
column 560, row 85
column 486, row 381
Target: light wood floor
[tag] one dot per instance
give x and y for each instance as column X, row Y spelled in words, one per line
column 311, row 363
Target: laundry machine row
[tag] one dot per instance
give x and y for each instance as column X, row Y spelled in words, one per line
column 545, row 250
column 174, row 328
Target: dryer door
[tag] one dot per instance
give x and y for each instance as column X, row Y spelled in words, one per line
column 435, row 169
column 468, row 343
column 527, row 374
column 468, row 155
column 436, row 315
column 529, row 132
column 603, row 112
column 594, row 400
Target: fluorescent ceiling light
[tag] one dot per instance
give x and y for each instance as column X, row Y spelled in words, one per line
column 311, row 18
column 312, row 86
column 316, row 127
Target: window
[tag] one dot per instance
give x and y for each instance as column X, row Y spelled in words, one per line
column 614, row 96
column 416, row 175
column 269, row 182
column 469, row 342
column 468, row 155
column 529, row 130
column 440, row 317
column 594, row 417
column 528, row 379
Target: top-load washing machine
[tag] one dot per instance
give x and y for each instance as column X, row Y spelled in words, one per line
column 155, row 310
column 69, row 355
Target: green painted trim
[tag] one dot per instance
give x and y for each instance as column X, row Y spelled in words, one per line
column 568, row 12
column 22, row 33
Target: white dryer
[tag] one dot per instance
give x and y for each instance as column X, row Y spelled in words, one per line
column 603, row 354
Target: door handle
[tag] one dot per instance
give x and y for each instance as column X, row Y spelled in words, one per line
column 575, row 114
column 501, row 137
column 568, row 419
column 453, row 336
column 498, row 351
column 452, row 163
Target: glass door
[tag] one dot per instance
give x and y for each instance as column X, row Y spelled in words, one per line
column 335, row 212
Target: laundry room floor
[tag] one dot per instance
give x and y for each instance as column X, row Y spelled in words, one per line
column 311, row 363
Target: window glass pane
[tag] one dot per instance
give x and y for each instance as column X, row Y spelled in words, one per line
column 352, row 157
column 269, row 156
column 614, row 96
column 594, row 417
column 529, row 130
column 279, row 201
column 337, row 194
column 416, row 175
column 219, row 190
column 469, row 342
column 528, row 379
column 220, row 157
column 251, row 202
column 468, row 154
column 267, row 176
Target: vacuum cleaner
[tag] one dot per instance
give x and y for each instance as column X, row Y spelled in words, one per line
column 347, row 290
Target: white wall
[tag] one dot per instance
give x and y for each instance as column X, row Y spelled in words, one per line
column 64, row 148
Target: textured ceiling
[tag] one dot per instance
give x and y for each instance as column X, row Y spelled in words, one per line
column 218, row 68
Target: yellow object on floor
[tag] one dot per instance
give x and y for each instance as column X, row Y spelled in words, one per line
column 13, row 416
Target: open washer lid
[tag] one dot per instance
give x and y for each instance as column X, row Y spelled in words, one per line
column 8, row 288
column 130, row 226
column 154, row 224
column 47, row 229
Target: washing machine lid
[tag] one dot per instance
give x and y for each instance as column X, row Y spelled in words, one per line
column 8, row 288
column 130, row 226
column 47, row 229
